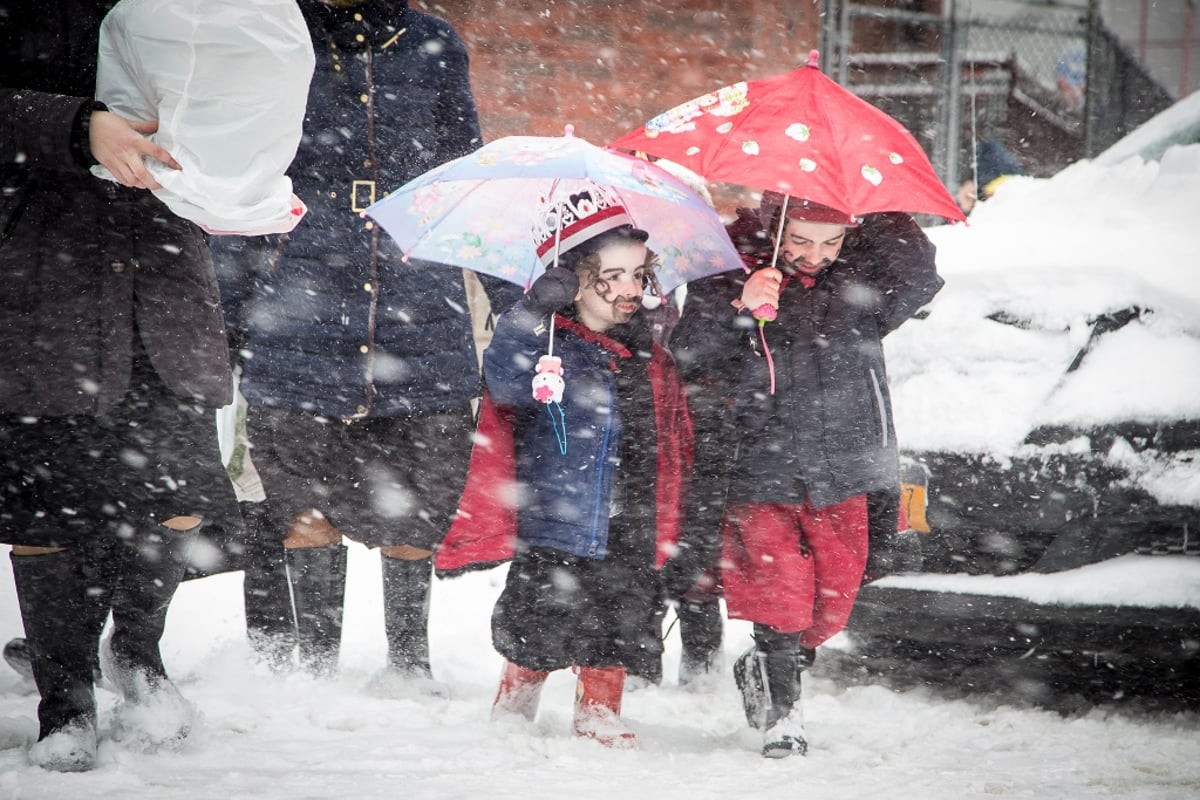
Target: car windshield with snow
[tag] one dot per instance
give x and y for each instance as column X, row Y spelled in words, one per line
column 1048, row 408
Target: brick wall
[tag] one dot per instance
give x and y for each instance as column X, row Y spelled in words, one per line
column 607, row 67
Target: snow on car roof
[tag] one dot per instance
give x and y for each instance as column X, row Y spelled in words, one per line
column 1025, row 279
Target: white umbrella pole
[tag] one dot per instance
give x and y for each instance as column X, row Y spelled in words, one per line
column 779, row 233
column 557, row 242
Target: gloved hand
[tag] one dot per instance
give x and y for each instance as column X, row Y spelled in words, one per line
column 554, row 289
column 762, row 289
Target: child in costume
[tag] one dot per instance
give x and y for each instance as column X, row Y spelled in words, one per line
column 601, row 453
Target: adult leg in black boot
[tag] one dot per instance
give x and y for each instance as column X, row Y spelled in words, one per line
column 62, row 640
column 18, row 652
column 318, row 579
column 148, row 566
column 407, row 581
column 266, row 591
column 700, row 632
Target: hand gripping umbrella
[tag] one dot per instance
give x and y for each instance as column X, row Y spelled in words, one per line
column 801, row 134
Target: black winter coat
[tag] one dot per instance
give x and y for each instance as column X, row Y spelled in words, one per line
column 85, row 262
column 332, row 321
column 826, row 432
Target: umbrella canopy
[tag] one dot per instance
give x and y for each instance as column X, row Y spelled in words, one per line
column 801, row 134
column 479, row 211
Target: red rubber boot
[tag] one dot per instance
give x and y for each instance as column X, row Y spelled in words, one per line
column 598, row 707
column 519, row 692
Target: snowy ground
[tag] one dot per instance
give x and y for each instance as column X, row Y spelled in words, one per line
column 295, row 738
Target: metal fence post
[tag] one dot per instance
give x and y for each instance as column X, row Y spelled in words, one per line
column 952, row 141
column 1090, row 87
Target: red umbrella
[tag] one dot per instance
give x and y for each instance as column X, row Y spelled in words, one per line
column 801, row 134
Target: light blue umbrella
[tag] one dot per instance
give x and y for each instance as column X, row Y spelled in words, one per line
column 478, row 211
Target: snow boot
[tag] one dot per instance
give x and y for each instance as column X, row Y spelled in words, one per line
column 149, row 566
column 700, row 627
column 598, row 707
column 70, row 748
column 318, row 580
column 783, row 728
column 785, row 736
column 61, row 639
column 266, row 591
column 520, row 690
column 406, row 590
column 750, row 675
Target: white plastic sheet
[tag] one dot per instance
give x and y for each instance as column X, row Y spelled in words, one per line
column 227, row 81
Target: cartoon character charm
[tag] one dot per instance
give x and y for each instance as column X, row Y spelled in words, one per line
column 548, row 383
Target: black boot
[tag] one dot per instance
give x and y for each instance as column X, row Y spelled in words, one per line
column 148, row 567
column 62, row 640
column 783, row 728
column 318, row 579
column 700, row 628
column 266, row 591
column 406, row 589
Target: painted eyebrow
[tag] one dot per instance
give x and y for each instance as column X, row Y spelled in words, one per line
column 801, row 239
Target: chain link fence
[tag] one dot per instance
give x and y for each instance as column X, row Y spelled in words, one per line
column 1044, row 77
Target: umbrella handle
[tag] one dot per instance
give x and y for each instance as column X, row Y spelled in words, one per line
column 779, row 233
column 548, row 383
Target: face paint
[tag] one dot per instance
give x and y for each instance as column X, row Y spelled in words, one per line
column 614, row 294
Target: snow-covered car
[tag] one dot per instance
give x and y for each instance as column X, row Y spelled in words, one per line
column 1048, row 407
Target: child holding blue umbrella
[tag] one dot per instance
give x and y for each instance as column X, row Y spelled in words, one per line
column 601, row 446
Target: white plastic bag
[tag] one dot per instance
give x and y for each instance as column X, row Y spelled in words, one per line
column 227, row 81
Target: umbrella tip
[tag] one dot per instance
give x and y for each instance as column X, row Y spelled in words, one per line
column 569, row 130
column 814, row 56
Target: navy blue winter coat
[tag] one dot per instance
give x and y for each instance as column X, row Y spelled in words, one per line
column 331, row 320
column 568, row 501
column 625, row 427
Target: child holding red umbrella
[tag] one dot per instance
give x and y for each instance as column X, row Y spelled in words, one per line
column 810, row 434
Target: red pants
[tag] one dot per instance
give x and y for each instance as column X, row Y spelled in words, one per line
column 794, row 568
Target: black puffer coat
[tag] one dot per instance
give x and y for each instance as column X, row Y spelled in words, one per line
column 333, row 321
column 827, row 430
column 83, row 261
